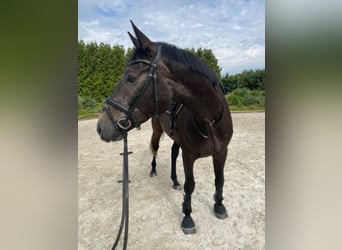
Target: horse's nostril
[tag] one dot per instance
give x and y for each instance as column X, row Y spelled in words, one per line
column 98, row 129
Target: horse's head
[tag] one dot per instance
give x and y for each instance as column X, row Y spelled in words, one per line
column 141, row 93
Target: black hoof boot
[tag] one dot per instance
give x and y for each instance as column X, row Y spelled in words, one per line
column 220, row 211
column 188, row 225
column 153, row 173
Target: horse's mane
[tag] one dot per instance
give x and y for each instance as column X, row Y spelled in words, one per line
column 172, row 53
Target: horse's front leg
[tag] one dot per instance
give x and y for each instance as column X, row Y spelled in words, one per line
column 174, row 155
column 188, row 224
column 218, row 162
column 154, row 144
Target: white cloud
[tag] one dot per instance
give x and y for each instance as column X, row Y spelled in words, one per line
column 256, row 51
column 234, row 30
column 112, row 5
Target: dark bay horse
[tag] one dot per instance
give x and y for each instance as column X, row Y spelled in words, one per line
column 157, row 76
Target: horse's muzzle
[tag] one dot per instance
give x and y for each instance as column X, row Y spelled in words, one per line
column 108, row 131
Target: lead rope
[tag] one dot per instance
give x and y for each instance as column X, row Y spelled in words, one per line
column 125, row 204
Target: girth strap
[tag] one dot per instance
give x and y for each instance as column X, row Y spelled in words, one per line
column 173, row 112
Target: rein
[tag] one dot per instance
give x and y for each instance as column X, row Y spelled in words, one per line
column 125, row 204
column 151, row 77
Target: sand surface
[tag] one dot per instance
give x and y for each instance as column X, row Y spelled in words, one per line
column 155, row 207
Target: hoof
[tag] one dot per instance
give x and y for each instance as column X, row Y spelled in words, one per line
column 188, row 225
column 220, row 211
column 177, row 187
column 152, row 174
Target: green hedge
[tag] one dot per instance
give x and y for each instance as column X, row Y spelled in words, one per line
column 87, row 105
column 241, row 99
column 246, row 97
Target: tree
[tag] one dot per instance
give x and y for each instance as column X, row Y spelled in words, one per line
column 251, row 79
column 99, row 69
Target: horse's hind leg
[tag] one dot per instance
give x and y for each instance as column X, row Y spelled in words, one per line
column 188, row 224
column 154, row 144
column 153, row 166
column 174, row 155
column 218, row 162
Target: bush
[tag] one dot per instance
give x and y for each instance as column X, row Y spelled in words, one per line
column 235, row 100
column 242, row 92
column 257, row 93
column 261, row 100
column 89, row 103
column 250, row 100
column 88, row 107
column 80, row 101
column 86, row 103
column 246, row 97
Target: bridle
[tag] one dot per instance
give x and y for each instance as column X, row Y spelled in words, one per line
column 126, row 122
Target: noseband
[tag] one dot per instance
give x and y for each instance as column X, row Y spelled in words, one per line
column 125, row 123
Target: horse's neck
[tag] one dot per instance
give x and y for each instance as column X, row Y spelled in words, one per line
column 201, row 98
column 206, row 104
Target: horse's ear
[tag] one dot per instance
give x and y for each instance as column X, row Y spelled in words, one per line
column 144, row 42
column 134, row 40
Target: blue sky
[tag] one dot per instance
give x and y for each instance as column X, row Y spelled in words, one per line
column 234, row 30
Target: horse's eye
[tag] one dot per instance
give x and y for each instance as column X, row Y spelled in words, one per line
column 131, row 78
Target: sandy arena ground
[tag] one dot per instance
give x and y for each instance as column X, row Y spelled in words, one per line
column 155, row 207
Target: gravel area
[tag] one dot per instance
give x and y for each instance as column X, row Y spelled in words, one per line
column 155, row 207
